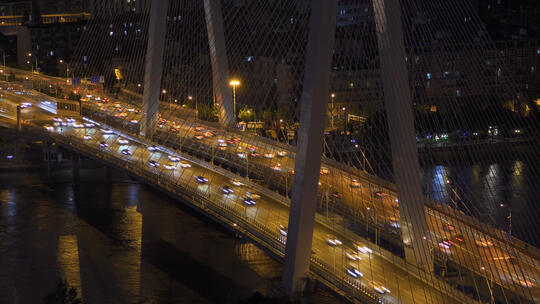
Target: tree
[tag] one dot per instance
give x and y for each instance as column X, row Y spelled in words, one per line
column 267, row 116
column 64, row 294
column 246, row 114
column 207, row 112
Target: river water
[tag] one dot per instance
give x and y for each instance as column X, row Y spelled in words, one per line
column 121, row 242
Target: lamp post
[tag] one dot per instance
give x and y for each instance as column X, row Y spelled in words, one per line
column 234, row 83
column 332, row 109
column 35, row 59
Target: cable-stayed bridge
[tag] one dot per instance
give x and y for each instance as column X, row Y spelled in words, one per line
column 371, row 240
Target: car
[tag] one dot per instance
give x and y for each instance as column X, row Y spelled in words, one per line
column 253, row 195
column 276, row 167
column 49, row 128
column 106, row 131
column 77, row 125
column 57, row 119
column 525, row 283
column 254, row 154
column 241, row 155
column 283, row 230
column 355, row 273
column 103, row 144
column 174, row 130
column 201, row 179
column 324, row 170
column 364, row 249
column 185, row 164
column 333, row 241
column 447, row 244
column 173, row 158
column 87, row 137
column 123, row 141
column 209, row 133
column 381, row 289
column 126, row 152
column 237, row 183
column 170, row 166
column 448, row 227
column 89, row 125
column 282, row 153
column 337, row 194
column 153, row 163
column 459, row 238
column 198, row 137
column 25, row 105
column 252, row 148
column 381, row 194
column 153, row 148
column 226, row 189
column 70, row 119
column 199, row 128
column 269, row 155
column 483, row 243
column 351, row 255
column 355, row 183
column 249, row 201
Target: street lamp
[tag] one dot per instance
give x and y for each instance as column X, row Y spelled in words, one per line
column 234, row 83
column 332, row 110
column 35, row 58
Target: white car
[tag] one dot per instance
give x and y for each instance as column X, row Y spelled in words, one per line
column 237, row 183
column 89, row 125
column 153, row 148
column 170, row 166
column 253, row 195
column 106, row 131
column 364, row 249
column 355, row 273
column 269, row 155
column 241, row 155
column 185, row 164
column 282, row 153
column 249, row 201
column 381, row 289
column 351, row 255
column 49, row 128
column 276, row 168
column 87, row 137
column 173, row 158
column 332, row 240
column 153, row 163
column 123, row 141
column 283, row 230
column 355, row 183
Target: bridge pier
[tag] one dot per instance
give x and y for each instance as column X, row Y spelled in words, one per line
column 75, row 161
column 106, row 174
column 153, row 66
column 397, row 100
column 309, row 146
column 220, row 65
column 19, row 118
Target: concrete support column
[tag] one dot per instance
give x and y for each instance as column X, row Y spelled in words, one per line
column 397, row 100
column 220, row 64
column 153, row 65
column 75, row 161
column 19, row 118
column 106, row 174
column 309, row 146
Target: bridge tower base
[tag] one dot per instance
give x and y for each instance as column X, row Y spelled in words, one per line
column 220, row 65
column 309, row 146
column 75, row 166
column 153, row 66
column 397, row 100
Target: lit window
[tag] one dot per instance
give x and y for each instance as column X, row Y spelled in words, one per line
column 111, row 33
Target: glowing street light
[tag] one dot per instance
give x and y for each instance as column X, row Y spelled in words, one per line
column 234, row 83
column 332, row 110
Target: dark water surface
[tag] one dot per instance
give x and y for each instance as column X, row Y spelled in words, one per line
column 504, row 194
column 118, row 243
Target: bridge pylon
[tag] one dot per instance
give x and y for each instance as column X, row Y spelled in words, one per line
column 309, row 148
column 153, row 65
column 220, row 66
column 397, row 100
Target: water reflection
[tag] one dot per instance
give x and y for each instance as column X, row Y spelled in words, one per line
column 68, row 261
